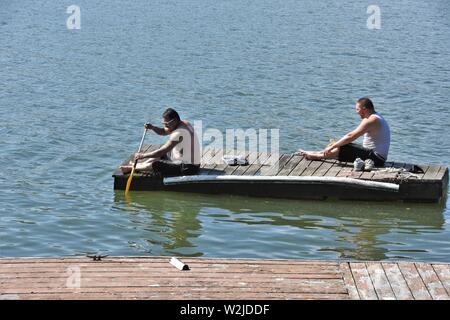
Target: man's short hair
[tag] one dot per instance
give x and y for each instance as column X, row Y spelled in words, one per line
column 366, row 103
column 171, row 114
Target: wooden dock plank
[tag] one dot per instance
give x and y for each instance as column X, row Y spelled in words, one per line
column 206, row 158
column 367, row 175
column 300, row 167
column 431, row 173
column 363, row 282
column 178, row 296
column 253, row 159
column 397, row 281
column 290, row 165
column 443, row 273
column 414, row 281
column 425, row 169
column 289, row 285
column 334, row 170
column 441, row 173
column 323, row 169
column 214, row 278
column 267, row 164
column 432, row 282
column 253, row 168
column 312, row 167
column 217, row 165
column 273, row 169
column 380, row 281
column 349, row 281
column 239, row 169
column 346, row 171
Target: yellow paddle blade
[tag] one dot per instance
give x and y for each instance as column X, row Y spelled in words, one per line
column 127, row 188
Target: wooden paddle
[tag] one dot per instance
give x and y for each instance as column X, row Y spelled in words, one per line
column 134, row 165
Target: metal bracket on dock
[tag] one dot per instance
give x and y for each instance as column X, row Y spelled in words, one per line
column 97, row 257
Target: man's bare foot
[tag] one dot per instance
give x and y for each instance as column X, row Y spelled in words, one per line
column 126, row 169
column 310, row 155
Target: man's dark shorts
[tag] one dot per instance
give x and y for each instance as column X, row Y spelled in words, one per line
column 351, row 151
column 168, row 168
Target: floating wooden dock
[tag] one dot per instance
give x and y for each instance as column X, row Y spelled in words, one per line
column 235, row 279
column 292, row 176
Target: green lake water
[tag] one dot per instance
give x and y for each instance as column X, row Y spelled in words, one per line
column 73, row 102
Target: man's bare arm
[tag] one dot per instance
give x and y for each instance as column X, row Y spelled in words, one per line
column 364, row 126
column 157, row 130
column 166, row 148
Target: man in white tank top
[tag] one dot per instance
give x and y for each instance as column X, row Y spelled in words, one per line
column 180, row 155
column 377, row 138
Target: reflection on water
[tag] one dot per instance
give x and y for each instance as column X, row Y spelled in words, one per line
column 230, row 226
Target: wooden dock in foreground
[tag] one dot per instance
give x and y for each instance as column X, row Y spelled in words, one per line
column 235, row 279
column 294, row 177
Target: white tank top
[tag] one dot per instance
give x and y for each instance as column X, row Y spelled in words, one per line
column 380, row 141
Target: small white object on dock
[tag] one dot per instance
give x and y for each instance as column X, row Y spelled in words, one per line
column 178, row 264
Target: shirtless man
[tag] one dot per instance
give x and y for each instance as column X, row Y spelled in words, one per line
column 180, row 155
column 376, row 141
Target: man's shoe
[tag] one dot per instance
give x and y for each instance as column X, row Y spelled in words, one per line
column 369, row 164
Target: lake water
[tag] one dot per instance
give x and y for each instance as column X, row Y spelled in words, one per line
column 73, row 102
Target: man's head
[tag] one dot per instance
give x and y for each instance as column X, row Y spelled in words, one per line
column 171, row 119
column 364, row 107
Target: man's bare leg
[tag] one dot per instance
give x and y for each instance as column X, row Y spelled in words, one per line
column 318, row 155
column 141, row 166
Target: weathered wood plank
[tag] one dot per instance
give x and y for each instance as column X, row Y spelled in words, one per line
column 397, row 281
column 300, row 167
column 323, row 169
column 345, row 171
column 239, row 169
column 252, row 161
column 367, row 175
column 443, row 273
column 239, row 288
column 231, row 169
column 252, row 169
column 313, row 166
column 217, row 164
column 334, row 170
column 162, row 259
column 206, row 158
column 441, row 173
column 52, row 275
column 179, row 284
column 349, row 281
column 414, row 281
column 289, row 165
column 363, row 282
column 180, row 296
column 431, row 173
column 380, row 281
column 223, row 268
column 273, row 170
column 268, row 163
column 425, row 169
column 432, row 282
